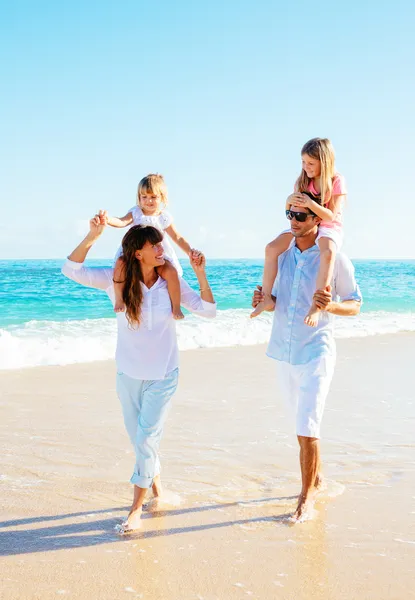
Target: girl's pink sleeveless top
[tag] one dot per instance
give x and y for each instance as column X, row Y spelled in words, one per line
column 339, row 189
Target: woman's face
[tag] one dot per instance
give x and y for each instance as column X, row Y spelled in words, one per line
column 151, row 255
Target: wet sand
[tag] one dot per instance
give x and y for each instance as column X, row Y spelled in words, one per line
column 230, row 452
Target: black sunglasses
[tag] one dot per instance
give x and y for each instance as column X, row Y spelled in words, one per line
column 301, row 217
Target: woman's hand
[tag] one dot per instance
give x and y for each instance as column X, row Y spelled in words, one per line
column 198, row 261
column 98, row 223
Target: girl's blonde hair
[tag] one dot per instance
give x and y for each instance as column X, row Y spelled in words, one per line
column 153, row 184
column 321, row 149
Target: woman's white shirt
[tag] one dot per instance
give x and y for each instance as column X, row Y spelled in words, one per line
column 161, row 222
column 150, row 350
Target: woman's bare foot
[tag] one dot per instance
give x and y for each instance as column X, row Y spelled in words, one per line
column 267, row 304
column 162, row 498
column 313, row 315
column 132, row 522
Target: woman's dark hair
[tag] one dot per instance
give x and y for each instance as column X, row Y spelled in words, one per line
column 135, row 239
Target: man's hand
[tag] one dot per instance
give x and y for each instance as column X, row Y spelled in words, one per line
column 257, row 296
column 323, row 298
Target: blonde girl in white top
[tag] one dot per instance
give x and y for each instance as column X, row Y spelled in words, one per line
column 151, row 210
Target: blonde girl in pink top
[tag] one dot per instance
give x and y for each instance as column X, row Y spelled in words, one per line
column 319, row 179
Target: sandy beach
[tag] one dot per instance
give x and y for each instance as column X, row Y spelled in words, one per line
column 229, row 454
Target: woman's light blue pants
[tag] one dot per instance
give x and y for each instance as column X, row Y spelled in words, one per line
column 145, row 405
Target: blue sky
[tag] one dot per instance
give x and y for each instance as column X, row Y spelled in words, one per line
column 219, row 97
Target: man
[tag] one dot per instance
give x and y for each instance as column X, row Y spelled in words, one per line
column 306, row 356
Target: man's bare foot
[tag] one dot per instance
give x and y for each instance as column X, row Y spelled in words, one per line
column 320, row 483
column 266, row 304
column 305, row 509
column 177, row 314
column 313, row 315
column 132, row 522
column 119, row 307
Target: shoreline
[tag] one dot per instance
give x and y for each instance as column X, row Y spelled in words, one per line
column 230, row 452
column 339, row 343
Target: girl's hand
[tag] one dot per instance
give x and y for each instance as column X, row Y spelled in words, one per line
column 301, row 200
column 198, row 261
column 195, row 255
column 103, row 215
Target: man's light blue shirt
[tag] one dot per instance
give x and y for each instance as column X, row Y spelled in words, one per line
column 291, row 340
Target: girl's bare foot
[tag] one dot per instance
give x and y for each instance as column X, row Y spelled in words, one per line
column 312, row 316
column 119, row 307
column 266, row 304
column 177, row 314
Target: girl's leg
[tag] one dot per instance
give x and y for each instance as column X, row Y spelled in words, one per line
column 272, row 252
column 169, row 273
column 328, row 251
column 119, row 280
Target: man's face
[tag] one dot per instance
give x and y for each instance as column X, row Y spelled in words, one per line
column 299, row 229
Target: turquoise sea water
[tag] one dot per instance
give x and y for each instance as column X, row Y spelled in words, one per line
column 39, row 305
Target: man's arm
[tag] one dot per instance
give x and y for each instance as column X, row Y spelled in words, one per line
column 345, row 308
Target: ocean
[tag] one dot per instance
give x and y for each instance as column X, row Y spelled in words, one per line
column 46, row 319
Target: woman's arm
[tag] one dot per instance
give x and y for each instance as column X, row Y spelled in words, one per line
column 199, row 267
column 203, row 303
column 96, row 227
column 97, row 277
column 120, row 221
column 178, row 239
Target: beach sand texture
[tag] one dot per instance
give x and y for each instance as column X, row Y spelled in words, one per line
column 231, row 455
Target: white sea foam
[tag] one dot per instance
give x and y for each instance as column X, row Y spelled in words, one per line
column 58, row 343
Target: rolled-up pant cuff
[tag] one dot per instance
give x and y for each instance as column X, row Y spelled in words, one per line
column 142, row 482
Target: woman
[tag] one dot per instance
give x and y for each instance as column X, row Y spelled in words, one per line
column 147, row 352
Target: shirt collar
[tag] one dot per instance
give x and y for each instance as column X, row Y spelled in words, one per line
column 157, row 284
column 311, row 250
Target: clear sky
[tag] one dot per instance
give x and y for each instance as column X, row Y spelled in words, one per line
column 217, row 96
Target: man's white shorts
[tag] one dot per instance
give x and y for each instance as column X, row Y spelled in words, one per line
column 305, row 388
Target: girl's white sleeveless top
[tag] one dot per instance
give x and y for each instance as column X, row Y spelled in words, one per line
column 161, row 222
